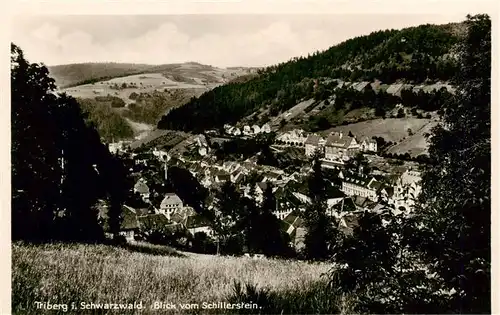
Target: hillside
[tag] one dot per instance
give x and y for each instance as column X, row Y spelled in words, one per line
column 128, row 100
column 149, row 273
column 87, row 73
column 417, row 55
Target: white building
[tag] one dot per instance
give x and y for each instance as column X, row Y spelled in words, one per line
column 256, row 129
column 295, row 137
column 407, row 189
column 313, row 144
column 170, row 204
column 236, row 131
column 265, row 128
column 368, row 145
column 340, row 146
column 247, row 130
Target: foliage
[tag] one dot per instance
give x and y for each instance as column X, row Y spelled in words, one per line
column 54, row 154
column 279, row 87
column 455, row 232
column 320, row 232
column 110, row 124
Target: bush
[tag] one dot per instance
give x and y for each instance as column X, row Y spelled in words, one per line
column 117, row 102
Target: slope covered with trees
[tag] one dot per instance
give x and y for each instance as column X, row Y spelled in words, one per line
column 59, row 166
column 414, row 55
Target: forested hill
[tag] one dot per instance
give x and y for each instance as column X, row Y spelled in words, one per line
column 419, row 54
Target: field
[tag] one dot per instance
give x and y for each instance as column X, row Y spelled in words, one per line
column 143, row 83
column 395, row 130
column 101, row 273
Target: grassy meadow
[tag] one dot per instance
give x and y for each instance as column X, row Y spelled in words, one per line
column 105, row 274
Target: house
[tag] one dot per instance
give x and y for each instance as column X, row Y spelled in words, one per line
column 361, row 86
column 296, row 137
column 260, row 189
column 348, row 222
column 395, row 89
column 198, row 223
column 406, row 189
column 256, row 129
column 221, row 176
column 286, row 203
column 170, row 204
column 202, row 151
column 236, row 131
column 339, row 145
column 312, row 145
column 265, row 128
column 143, row 189
column 129, row 225
column 368, row 145
column 154, row 221
column 332, row 164
column 247, row 130
column 361, row 185
column 293, row 225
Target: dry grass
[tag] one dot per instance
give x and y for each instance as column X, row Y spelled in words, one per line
column 100, row 273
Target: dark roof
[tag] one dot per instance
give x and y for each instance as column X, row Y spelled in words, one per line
column 362, row 180
column 351, row 221
column 313, row 139
column 338, row 140
column 195, row 221
column 152, row 221
column 129, row 218
column 141, row 187
column 294, row 219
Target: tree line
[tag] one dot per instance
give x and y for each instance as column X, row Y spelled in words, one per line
column 282, row 86
column 60, row 168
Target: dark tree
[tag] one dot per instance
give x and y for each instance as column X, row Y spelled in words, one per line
column 59, row 166
column 319, row 227
column 455, row 199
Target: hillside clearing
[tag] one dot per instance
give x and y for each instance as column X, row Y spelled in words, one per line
column 100, row 273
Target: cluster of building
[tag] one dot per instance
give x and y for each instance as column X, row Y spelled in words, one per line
column 247, row 130
column 355, row 192
column 335, row 146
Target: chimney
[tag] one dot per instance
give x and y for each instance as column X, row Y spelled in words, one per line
column 340, row 135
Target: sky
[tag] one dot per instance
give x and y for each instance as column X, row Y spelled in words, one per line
column 222, row 40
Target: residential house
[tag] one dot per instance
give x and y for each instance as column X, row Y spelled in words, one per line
column 170, row 204
column 198, row 223
column 260, row 188
column 368, row 145
column 406, row 189
column 221, row 176
column 361, row 86
column 296, row 137
column 293, row 225
column 286, row 203
column 247, row 130
column 256, row 129
column 348, row 222
column 361, row 185
column 334, row 165
column 313, row 145
column 236, row 132
column 395, row 89
column 152, row 222
column 339, row 145
column 143, row 189
column 129, row 225
column 265, row 128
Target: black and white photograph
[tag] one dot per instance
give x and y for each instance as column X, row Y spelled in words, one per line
column 251, row 163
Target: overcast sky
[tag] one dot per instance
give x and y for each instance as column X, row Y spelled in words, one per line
column 218, row 40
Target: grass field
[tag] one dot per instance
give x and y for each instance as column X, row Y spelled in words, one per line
column 105, row 274
column 395, row 130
